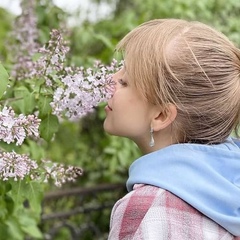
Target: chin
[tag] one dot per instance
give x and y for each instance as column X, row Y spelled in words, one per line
column 111, row 129
column 107, row 128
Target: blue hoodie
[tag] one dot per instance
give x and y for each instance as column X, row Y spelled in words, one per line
column 205, row 176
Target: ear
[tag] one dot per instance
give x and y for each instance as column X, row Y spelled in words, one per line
column 164, row 118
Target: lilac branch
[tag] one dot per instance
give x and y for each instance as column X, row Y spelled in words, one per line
column 59, row 173
column 17, row 128
column 26, row 34
column 80, row 92
column 19, row 166
column 16, row 166
column 75, row 91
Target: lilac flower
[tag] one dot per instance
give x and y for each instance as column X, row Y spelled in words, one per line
column 16, row 166
column 83, row 91
column 17, row 128
column 76, row 91
column 60, row 173
column 53, row 56
column 26, row 33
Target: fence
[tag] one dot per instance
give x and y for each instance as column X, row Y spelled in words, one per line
column 79, row 213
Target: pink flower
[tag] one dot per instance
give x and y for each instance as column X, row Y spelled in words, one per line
column 17, row 128
column 16, row 166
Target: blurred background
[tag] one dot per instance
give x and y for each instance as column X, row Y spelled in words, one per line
column 93, row 28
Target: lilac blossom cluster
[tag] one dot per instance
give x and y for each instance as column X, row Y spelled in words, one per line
column 26, row 34
column 16, row 166
column 16, row 128
column 51, row 62
column 82, row 91
column 76, row 90
column 60, row 173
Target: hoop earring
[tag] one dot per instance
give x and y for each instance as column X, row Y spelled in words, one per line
column 152, row 142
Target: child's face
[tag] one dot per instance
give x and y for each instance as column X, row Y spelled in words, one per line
column 127, row 113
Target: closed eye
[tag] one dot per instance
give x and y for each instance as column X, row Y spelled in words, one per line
column 123, row 83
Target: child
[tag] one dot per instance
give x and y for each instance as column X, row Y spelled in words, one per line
column 178, row 98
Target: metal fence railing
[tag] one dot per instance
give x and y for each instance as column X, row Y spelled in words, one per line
column 79, row 213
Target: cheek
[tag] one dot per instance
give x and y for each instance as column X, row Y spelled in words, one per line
column 124, row 97
column 128, row 118
column 129, row 105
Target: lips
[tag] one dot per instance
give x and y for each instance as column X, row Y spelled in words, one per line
column 108, row 108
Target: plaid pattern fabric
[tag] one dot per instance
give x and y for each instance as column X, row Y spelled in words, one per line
column 151, row 213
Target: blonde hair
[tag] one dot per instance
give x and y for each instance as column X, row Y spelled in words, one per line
column 192, row 66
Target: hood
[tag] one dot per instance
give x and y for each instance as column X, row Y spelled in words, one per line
column 205, row 176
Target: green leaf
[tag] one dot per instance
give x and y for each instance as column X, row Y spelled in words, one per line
column 29, row 225
column 3, row 209
column 26, row 100
column 28, row 217
column 3, row 231
column 5, row 187
column 48, row 127
column 44, row 106
column 14, row 229
column 35, row 196
column 9, row 204
column 8, row 186
column 33, row 149
column 32, row 192
column 105, row 40
column 4, row 80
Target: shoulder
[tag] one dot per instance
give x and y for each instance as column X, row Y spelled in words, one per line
column 150, row 212
column 128, row 212
column 144, row 197
column 137, row 202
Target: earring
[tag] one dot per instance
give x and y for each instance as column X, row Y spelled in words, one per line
column 152, row 142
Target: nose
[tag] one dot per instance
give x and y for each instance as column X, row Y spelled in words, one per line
column 117, row 75
column 112, row 82
column 111, row 86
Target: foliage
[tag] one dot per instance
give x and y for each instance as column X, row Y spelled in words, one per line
column 213, row 12
column 39, row 93
column 6, row 20
column 128, row 14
